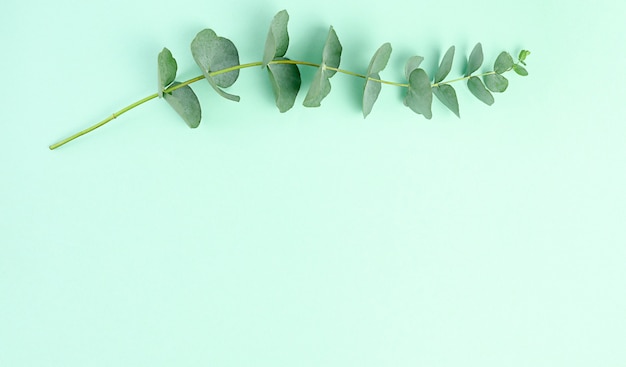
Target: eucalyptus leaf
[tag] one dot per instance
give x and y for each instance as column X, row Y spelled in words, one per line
column 319, row 89
column 370, row 94
column 496, row 82
column 475, row 59
column 445, row 66
column 185, row 102
column 320, row 85
column 380, row 59
column 447, row 95
column 478, row 89
column 522, row 56
column 372, row 88
column 520, row 70
column 412, row 63
column 419, row 97
column 221, row 92
column 504, row 62
column 213, row 53
column 331, row 56
column 286, row 81
column 277, row 38
column 167, row 70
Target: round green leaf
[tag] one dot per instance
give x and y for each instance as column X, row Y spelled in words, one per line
column 213, row 53
column 496, row 82
column 286, row 81
column 166, row 70
column 419, row 97
column 478, row 89
column 185, row 102
column 447, row 95
column 277, row 38
column 475, row 59
column 445, row 66
column 503, row 63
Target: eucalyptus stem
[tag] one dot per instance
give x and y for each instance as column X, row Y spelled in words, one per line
column 244, row 66
column 198, row 78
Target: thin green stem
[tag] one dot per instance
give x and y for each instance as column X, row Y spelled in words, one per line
column 112, row 117
column 461, row 79
column 233, row 68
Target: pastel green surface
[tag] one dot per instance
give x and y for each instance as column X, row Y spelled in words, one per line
column 313, row 237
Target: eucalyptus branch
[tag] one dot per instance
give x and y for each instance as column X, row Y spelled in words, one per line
column 218, row 59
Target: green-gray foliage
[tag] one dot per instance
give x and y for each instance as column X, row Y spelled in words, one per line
column 412, row 63
column 445, row 66
column 419, row 96
column 372, row 88
column 478, row 89
column 285, row 79
column 185, row 102
column 331, row 57
column 166, row 70
column 218, row 60
column 213, row 54
column 447, row 95
column 277, row 38
column 475, row 60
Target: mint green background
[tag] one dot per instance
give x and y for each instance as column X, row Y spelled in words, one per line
column 312, row 238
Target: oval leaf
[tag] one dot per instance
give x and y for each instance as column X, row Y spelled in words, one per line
column 331, row 56
column 412, row 63
column 320, row 86
column 186, row 104
column 167, row 70
column 370, row 94
column 213, row 53
column 496, row 82
column 445, row 66
column 319, row 89
column 478, row 89
column 372, row 88
column 419, row 98
column 475, row 59
column 520, row 70
column 503, row 63
column 286, row 81
column 522, row 56
column 447, row 95
column 277, row 38
column 379, row 60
